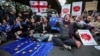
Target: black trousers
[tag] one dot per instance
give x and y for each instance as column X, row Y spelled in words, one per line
column 61, row 41
column 11, row 36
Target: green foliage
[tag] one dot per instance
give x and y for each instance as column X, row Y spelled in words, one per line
column 69, row 1
column 8, row 0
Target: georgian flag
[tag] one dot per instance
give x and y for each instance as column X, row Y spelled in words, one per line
column 38, row 6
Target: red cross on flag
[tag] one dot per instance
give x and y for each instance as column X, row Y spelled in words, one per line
column 38, row 6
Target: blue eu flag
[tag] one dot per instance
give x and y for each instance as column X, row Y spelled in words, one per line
column 27, row 47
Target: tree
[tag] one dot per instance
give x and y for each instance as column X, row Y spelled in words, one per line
column 69, row 1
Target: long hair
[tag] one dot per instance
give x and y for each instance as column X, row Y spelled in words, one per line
column 65, row 17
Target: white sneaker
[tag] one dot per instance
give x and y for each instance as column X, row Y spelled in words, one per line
column 67, row 47
column 50, row 37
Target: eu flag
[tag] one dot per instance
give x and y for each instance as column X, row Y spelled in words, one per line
column 27, row 47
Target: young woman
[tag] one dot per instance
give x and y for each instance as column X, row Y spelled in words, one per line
column 44, row 33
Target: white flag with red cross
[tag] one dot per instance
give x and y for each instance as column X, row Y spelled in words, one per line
column 76, row 8
column 65, row 9
column 86, row 37
column 38, row 6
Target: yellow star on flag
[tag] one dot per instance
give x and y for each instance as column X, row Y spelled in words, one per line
column 18, row 46
column 30, row 50
column 17, row 52
column 35, row 47
column 26, row 42
column 16, row 49
column 22, row 43
column 23, row 52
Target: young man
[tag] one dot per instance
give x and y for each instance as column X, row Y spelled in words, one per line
column 66, row 38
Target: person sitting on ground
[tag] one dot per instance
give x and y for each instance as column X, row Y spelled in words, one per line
column 45, row 31
column 3, row 30
column 95, row 27
column 31, row 26
column 66, row 37
column 20, row 28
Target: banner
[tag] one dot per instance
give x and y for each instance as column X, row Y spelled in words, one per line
column 86, row 37
column 76, row 8
column 38, row 6
column 65, row 9
column 91, row 5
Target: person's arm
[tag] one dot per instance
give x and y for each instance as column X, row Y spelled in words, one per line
column 38, row 28
column 19, row 23
column 96, row 31
column 57, row 24
column 48, row 28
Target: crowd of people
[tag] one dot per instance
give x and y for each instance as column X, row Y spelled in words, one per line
column 24, row 25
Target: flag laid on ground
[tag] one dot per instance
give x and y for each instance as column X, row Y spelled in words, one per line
column 76, row 8
column 65, row 9
column 38, row 5
column 27, row 47
column 86, row 37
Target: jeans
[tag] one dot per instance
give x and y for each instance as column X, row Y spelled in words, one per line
column 40, row 37
column 61, row 41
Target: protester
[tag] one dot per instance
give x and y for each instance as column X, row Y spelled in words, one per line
column 44, row 27
column 96, row 26
column 20, row 27
column 66, row 38
column 37, row 27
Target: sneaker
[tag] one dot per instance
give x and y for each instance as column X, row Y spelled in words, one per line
column 67, row 47
column 50, row 38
